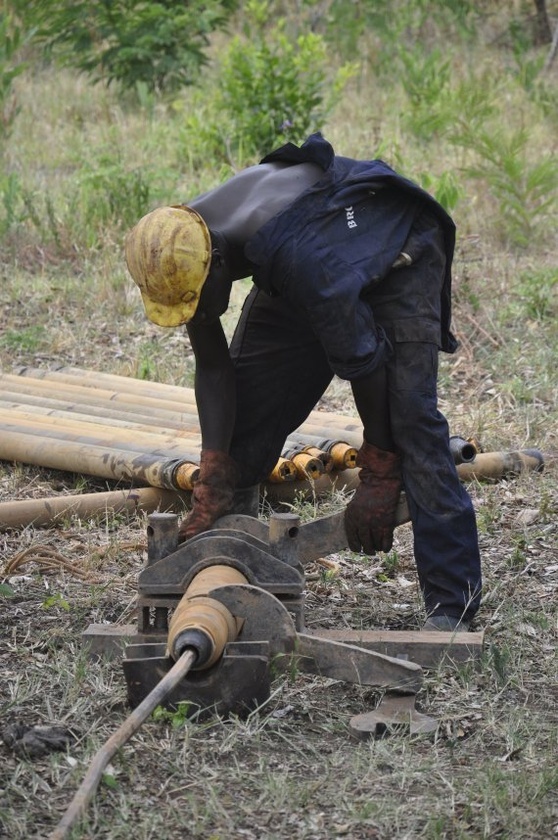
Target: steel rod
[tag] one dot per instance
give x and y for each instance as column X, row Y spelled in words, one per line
column 102, row 758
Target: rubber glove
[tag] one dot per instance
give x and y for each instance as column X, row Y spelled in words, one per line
column 212, row 496
column 370, row 515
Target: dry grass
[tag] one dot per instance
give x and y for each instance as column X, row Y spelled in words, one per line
column 291, row 770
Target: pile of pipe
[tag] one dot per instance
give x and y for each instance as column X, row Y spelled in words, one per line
column 146, row 436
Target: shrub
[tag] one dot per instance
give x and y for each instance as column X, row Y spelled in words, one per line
column 160, row 44
column 273, row 87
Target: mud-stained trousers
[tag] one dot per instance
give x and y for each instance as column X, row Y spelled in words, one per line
column 282, row 371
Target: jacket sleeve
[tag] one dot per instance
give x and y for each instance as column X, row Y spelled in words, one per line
column 355, row 346
column 328, row 292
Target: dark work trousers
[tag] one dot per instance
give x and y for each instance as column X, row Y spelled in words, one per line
column 282, row 372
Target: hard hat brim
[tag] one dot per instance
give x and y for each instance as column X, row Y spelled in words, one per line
column 169, row 316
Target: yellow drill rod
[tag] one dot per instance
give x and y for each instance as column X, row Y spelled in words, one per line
column 38, row 512
column 180, row 413
column 88, row 459
column 123, row 388
column 65, row 408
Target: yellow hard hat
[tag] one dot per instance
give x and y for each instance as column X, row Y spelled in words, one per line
column 168, row 253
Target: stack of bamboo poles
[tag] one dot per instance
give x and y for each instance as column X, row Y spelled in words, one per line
column 142, row 433
column 147, row 436
column 116, row 427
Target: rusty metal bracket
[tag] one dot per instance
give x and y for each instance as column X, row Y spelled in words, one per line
column 172, row 574
column 394, row 712
column 314, row 539
column 269, row 609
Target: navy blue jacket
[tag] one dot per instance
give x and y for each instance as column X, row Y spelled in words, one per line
column 335, row 242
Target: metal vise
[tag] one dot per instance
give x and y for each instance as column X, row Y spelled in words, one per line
column 266, row 602
column 235, row 596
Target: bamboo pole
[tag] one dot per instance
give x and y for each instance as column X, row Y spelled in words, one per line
column 73, row 456
column 8, row 408
column 93, row 435
column 160, row 393
column 39, row 512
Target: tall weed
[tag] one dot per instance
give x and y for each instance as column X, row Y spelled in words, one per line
column 12, row 38
column 525, row 191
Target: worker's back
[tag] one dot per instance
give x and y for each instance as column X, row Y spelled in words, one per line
column 240, row 206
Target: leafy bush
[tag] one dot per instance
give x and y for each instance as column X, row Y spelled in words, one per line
column 159, row 44
column 526, row 191
column 273, row 87
column 11, row 40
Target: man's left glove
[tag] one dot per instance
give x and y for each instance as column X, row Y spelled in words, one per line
column 370, row 515
column 212, row 496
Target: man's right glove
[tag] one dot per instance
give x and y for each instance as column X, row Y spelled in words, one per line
column 212, row 496
column 370, row 515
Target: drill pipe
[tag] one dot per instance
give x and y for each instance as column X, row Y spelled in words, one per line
column 73, row 456
column 176, row 411
column 154, row 395
column 169, row 413
column 52, row 408
column 187, row 426
column 96, row 379
column 160, row 419
column 201, row 622
column 122, row 437
column 463, row 451
column 487, row 466
column 38, row 512
column 92, row 396
column 307, row 465
column 339, row 455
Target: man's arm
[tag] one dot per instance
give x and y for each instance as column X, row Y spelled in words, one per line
column 370, row 515
column 371, row 400
column 214, row 384
column 213, row 493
